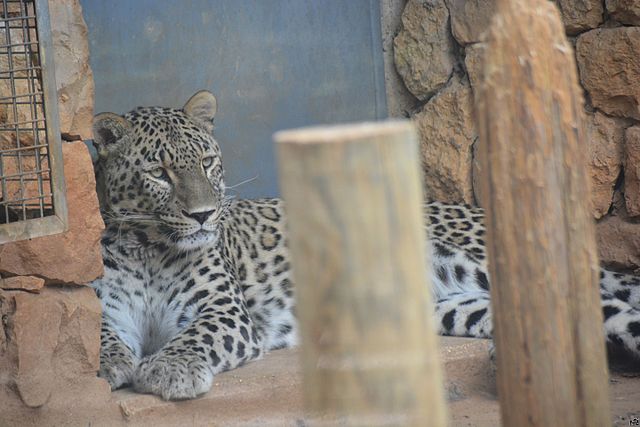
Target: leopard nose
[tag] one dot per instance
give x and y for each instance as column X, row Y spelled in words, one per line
column 201, row 217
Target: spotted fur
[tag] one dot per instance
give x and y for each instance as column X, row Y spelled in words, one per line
column 461, row 281
column 196, row 283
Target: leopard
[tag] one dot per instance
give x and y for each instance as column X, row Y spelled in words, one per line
column 197, row 282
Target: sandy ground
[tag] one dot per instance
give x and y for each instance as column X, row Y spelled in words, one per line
column 268, row 393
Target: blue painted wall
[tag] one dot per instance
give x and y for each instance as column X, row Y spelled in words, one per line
column 272, row 64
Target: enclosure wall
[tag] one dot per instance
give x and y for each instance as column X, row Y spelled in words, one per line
column 437, row 52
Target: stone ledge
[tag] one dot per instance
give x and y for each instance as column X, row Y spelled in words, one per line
column 268, row 393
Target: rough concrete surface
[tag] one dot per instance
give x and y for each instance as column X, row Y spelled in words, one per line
column 268, row 393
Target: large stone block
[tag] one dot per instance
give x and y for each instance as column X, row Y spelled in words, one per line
column 74, row 78
column 618, row 242
column 423, row 50
column 609, row 67
column 51, row 347
column 473, row 63
column 632, row 170
column 581, row 15
column 625, row 11
column 447, row 133
column 605, row 136
column 75, row 255
column 470, row 19
column 400, row 102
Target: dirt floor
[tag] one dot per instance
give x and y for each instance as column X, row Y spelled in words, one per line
column 267, row 393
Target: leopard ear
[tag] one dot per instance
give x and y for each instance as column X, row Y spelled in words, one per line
column 202, row 108
column 109, row 130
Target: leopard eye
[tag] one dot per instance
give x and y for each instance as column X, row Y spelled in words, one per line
column 159, row 173
column 207, row 161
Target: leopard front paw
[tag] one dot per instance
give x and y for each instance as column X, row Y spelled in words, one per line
column 173, row 377
column 117, row 370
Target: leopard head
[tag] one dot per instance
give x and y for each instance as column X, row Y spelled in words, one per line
column 160, row 170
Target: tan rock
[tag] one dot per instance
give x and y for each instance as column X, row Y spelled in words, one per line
column 470, row 18
column 605, row 136
column 52, row 344
column 473, row 55
column 609, row 67
column 27, row 283
column 447, row 133
column 423, row 50
column 36, row 325
column 632, row 170
column 399, row 100
column 618, row 242
column 580, row 15
column 74, row 77
column 624, row 11
column 74, row 256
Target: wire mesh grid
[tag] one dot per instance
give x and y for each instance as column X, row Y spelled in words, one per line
column 25, row 175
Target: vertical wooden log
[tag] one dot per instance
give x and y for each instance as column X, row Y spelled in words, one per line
column 543, row 261
column 353, row 201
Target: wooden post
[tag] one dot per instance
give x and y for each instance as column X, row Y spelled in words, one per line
column 543, row 261
column 353, row 201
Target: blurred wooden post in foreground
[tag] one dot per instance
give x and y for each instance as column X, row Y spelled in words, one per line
column 354, row 207
column 543, row 261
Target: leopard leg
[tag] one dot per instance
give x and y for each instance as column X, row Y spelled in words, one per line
column 219, row 338
column 117, row 361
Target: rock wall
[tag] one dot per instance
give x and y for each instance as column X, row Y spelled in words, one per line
column 438, row 53
column 50, row 329
column 74, row 78
column 73, row 257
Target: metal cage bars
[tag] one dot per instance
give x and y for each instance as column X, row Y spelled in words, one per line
column 32, row 201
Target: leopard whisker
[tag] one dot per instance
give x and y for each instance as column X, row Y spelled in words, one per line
column 246, row 181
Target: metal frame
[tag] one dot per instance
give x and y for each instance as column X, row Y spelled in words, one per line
column 55, row 221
